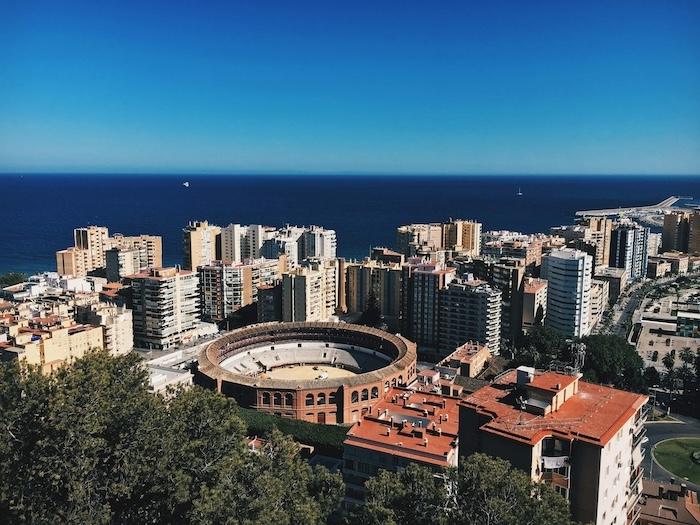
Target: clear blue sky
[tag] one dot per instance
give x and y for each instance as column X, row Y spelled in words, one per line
column 395, row 86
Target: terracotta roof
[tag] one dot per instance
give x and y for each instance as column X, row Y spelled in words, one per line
column 551, row 381
column 427, row 416
column 594, row 414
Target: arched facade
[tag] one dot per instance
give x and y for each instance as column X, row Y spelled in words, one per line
column 327, row 400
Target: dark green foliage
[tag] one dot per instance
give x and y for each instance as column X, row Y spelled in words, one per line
column 326, row 439
column 482, row 490
column 8, row 279
column 651, row 377
column 90, row 444
column 372, row 314
column 539, row 347
column 610, row 359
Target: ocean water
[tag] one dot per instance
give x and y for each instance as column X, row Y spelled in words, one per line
column 38, row 212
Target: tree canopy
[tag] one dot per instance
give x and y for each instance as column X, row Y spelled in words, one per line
column 610, row 359
column 481, row 490
column 91, row 444
column 8, row 279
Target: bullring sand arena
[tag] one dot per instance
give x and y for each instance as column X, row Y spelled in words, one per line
column 319, row 372
column 306, row 372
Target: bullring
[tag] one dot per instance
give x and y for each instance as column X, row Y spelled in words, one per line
column 318, row 372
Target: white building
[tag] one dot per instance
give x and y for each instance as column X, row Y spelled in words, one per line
column 319, row 243
column 600, row 295
column 568, row 274
column 306, row 295
column 117, row 324
column 166, row 307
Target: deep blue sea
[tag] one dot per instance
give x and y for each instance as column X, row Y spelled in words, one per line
column 38, row 212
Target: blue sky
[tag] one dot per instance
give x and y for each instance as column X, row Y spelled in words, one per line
column 390, row 87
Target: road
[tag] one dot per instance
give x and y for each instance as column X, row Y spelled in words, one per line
column 656, row 432
column 624, row 309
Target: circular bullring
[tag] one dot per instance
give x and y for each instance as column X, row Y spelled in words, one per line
column 319, row 372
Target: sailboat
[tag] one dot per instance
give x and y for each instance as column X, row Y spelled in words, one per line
column 520, row 193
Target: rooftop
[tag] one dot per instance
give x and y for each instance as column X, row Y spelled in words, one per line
column 466, row 353
column 419, row 426
column 594, row 414
column 534, row 285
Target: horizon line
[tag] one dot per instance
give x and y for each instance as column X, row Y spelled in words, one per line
column 331, row 173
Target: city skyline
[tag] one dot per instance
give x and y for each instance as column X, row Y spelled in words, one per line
column 460, row 89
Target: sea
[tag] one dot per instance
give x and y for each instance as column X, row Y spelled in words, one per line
column 38, row 212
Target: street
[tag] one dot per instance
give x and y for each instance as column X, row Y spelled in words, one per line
column 656, row 432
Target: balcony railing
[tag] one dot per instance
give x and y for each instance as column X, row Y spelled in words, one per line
column 635, row 478
column 638, row 436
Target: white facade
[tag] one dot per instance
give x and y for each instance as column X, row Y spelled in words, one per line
column 116, row 323
column 308, row 294
column 166, row 307
column 233, row 238
column 319, row 243
column 568, row 273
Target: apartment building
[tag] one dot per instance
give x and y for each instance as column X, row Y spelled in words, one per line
column 534, row 302
column 469, row 310
column 568, row 275
column 122, row 262
column 676, row 231
column 200, row 244
column 629, row 250
column 165, row 307
column 406, row 427
column 383, row 280
column 582, row 439
column 227, row 287
column 421, row 284
column 600, row 295
column 305, row 293
column 53, row 342
column 116, row 323
column 91, row 245
column 460, row 236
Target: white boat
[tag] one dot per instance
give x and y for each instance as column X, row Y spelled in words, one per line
column 520, row 193
column 186, row 184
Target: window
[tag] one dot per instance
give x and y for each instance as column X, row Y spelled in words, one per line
column 355, row 397
column 321, row 399
column 331, row 398
column 278, row 399
column 400, row 380
column 393, row 382
column 266, row 398
column 288, row 399
column 365, row 395
column 375, row 392
column 309, row 400
column 386, row 386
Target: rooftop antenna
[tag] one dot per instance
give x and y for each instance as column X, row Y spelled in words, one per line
column 521, row 404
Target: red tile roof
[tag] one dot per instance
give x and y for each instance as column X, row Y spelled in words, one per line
column 594, row 414
column 427, row 416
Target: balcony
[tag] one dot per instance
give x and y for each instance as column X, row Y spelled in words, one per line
column 635, row 478
column 633, row 514
column 639, row 436
column 554, row 478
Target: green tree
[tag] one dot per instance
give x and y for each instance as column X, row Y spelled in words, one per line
column 610, row 359
column 482, row 490
column 272, row 486
column 91, row 444
column 539, row 347
column 8, row 279
column 651, row 376
column 372, row 314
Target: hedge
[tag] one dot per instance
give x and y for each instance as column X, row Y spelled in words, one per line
column 326, row 439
